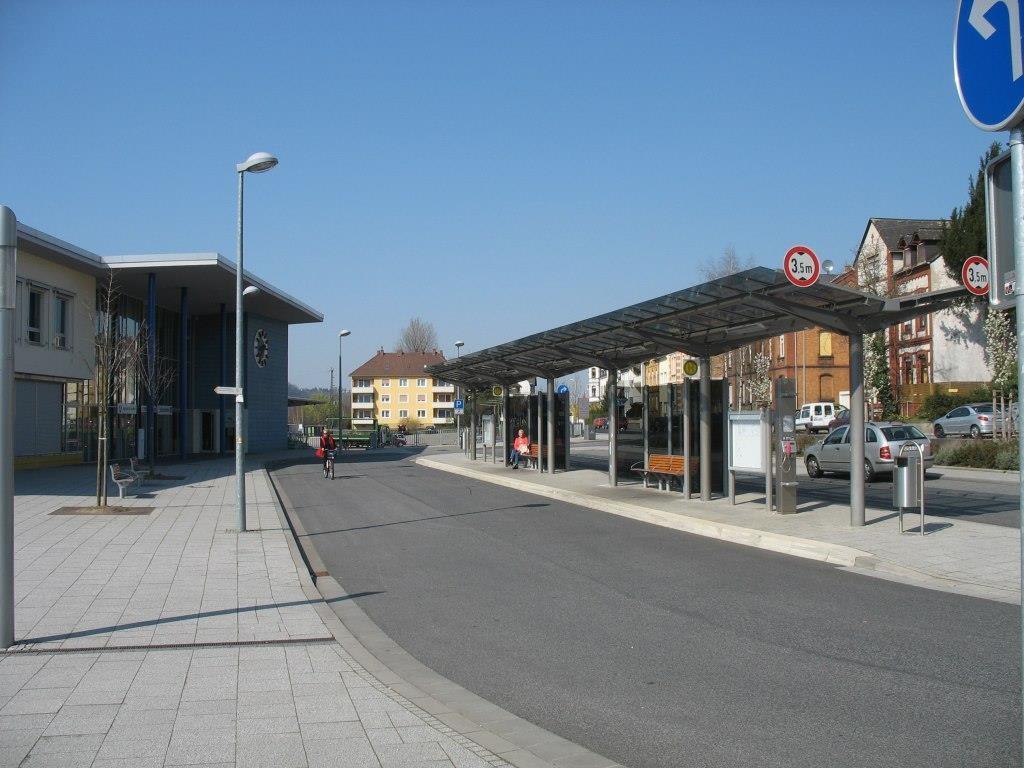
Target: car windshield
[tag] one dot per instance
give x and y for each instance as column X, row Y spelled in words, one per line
column 903, row 433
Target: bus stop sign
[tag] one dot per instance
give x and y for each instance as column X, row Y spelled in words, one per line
column 987, row 62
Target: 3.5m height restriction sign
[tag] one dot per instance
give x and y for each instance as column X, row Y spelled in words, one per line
column 801, row 266
column 974, row 273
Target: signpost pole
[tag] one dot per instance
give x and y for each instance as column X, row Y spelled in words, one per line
column 1017, row 187
column 8, row 286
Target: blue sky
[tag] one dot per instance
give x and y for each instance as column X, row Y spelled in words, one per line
column 495, row 168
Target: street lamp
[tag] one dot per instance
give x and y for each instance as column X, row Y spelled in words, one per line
column 341, row 334
column 257, row 162
column 458, row 392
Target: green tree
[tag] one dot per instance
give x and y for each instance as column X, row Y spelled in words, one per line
column 877, row 378
column 965, row 234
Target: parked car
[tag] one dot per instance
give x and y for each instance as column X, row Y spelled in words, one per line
column 974, row 420
column 431, row 430
column 883, row 441
column 841, row 418
column 814, row 417
column 601, row 422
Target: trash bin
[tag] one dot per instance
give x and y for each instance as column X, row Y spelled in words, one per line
column 591, row 433
column 906, row 482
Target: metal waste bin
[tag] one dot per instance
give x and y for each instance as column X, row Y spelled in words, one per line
column 908, row 481
column 906, row 486
column 591, row 433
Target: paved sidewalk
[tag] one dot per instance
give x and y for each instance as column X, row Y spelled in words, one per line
column 958, row 556
column 169, row 639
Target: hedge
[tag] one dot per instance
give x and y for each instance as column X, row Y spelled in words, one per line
column 940, row 403
column 986, row 454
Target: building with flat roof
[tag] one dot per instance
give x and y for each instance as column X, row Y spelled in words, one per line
column 392, row 388
column 172, row 320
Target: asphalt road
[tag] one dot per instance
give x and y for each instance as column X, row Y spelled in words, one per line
column 991, row 500
column 656, row 648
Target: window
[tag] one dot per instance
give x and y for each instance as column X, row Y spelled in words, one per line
column 921, row 324
column 385, row 382
column 385, row 414
column 922, row 369
column 836, row 437
column 593, row 373
column 421, row 398
column 61, row 321
column 957, row 413
column 782, row 345
column 824, row 344
column 870, row 436
column 421, row 414
column 363, row 382
column 421, row 382
column 403, row 398
column 907, row 329
column 593, row 391
column 385, row 398
column 908, row 371
column 403, row 382
column 35, row 315
column 403, row 414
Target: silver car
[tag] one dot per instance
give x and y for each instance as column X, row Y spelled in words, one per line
column 883, row 441
column 973, row 419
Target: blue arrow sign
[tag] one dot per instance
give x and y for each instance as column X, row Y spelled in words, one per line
column 562, row 389
column 987, row 62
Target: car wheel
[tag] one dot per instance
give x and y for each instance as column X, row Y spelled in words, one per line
column 869, row 471
column 939, row 431
column 975, row 431
column 813, row 468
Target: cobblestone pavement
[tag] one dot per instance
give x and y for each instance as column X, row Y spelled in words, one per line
column 169, row 639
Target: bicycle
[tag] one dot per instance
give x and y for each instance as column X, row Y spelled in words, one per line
column 329, row 463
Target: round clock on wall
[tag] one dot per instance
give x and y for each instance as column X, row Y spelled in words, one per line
column 261, row 348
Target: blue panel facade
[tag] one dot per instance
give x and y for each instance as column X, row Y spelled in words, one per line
column 206, row 357
column 266, row 389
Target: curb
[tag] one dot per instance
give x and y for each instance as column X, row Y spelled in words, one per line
column 839, row 555
column 447, row 706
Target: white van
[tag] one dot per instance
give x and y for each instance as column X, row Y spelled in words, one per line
column 816, row 416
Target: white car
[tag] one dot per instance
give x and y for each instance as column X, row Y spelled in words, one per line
column 815, row 417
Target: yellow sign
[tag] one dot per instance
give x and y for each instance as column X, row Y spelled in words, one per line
column 690, row 367
column 496, row 390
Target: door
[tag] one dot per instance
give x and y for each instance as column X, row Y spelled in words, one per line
column 831, row 450
column 956, row 421
column 207, row 431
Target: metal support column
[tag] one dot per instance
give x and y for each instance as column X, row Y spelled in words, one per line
column 506, row 440
column 687, row 482
column 223, row 377
column 540, row 434
column 183, row 413
column 856, row 429
column 613, row 427
column 472, row 427
column 8, row 290
column 551, row 425
column 646, row 396
column 151, row 403
column 705, row 429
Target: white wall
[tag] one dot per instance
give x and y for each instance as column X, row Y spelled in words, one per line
column 77, row 361
column 958, row 338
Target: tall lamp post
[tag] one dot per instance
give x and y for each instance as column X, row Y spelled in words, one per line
column 458, row 393
column 8, row 288
column 257, row 162
column 341, row 334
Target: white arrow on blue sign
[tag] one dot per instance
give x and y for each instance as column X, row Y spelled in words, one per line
column 562, row 389
column 987, row 62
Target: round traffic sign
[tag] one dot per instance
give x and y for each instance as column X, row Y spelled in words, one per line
column 974, row 273
column 562, row 389
column 690, row 367
column 496, row 390
column 801, row 266
column 988, row 64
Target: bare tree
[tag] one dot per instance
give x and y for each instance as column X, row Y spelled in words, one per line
column 729, row 263
column 156, row 375
column 115, row 369
column 417, row 336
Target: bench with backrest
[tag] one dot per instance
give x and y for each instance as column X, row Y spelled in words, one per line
column 664, row 469
column 531, row 455
column 124, row 478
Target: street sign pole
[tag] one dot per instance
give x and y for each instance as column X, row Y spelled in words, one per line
column 1017, row 169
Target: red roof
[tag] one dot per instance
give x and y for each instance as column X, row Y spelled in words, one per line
column 407, row 364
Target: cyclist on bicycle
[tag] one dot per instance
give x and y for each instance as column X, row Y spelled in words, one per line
column 327, row 444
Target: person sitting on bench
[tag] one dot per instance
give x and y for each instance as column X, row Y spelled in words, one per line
column 519, row 446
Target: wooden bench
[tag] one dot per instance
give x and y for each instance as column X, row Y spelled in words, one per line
column 124, row 478
column 531, row 455
column 665, row 469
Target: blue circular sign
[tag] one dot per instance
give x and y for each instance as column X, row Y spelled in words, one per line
column 988, row 64
column 562, row 389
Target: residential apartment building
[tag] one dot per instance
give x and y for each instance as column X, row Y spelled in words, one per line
column 391, row 388
column 903, row 256
column 597, row 383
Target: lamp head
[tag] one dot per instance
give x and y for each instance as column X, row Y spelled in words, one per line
column 251, row 290
column 827, row 265
column 257, row 162
column 460, row 344
column 343, row 332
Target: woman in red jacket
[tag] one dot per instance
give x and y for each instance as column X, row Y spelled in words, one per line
column 519, row 446
column 327, row 443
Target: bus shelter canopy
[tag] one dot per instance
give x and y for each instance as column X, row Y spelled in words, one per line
column 704, row 320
